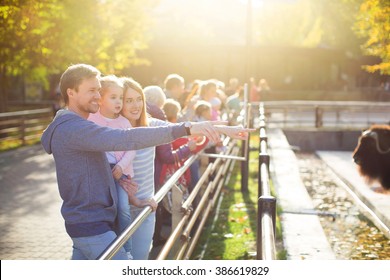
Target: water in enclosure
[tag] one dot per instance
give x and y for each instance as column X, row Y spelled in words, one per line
column 350, row 234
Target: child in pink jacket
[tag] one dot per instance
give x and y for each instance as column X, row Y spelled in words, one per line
column 121, row 162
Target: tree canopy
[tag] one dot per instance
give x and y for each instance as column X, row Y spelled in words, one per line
column 44, row 37
column 307, row 23
column 373, row 24
column 356, row 26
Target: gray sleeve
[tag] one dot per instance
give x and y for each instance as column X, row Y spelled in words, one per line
column 88, row 136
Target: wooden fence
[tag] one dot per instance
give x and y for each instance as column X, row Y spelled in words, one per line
column 22, row 126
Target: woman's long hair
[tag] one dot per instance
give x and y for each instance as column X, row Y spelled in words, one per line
column 130, row 83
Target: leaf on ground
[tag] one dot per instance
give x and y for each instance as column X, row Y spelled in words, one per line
column 242, row 219
column 239, row 205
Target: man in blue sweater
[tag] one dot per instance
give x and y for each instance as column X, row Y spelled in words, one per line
column 84, row 177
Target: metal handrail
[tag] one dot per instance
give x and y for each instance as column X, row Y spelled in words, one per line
column 266, row 249
column 118, row 242
column 187, row 245
column 205, row 204
column 321, row 103
column 326, row 114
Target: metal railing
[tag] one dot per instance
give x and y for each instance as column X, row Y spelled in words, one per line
column 325, row 114
column 266, row 249
column 115, row 246
column 179, row 244
column 208, row 192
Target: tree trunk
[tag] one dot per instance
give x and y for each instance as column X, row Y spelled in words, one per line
column 3, row 91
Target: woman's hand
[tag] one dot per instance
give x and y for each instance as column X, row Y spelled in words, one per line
column 133, row 200
column 117, row 172
column 129, row 186
column 152, row 203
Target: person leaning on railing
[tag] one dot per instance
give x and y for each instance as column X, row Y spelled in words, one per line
column 134, row 110
column 164, row 154
column 84, row 177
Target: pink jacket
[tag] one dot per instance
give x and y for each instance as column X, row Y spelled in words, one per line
column 123, row 158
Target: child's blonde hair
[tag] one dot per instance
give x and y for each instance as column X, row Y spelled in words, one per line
column 171, row 109
column 108, row 82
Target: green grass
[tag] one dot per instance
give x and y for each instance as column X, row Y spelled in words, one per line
column 232, row 236
column 7, row 145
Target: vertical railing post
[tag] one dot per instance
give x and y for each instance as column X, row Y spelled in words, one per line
column 245, row 166
column 245, row 145
column 23, row 130
column 263, row 159
column 263, row 156
column 319, row 114
column 266, row 207
column 176, row 217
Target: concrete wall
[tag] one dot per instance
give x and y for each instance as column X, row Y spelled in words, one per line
column 311, row 140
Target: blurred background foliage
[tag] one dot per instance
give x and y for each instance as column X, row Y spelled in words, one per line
column 39, row 39
column 373, row 24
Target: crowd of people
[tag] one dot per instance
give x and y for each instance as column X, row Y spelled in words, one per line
column 112, row 135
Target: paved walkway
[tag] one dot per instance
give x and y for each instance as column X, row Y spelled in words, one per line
column 303, row 235
column 31, row 225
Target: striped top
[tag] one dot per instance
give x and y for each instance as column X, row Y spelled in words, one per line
column 143, row 165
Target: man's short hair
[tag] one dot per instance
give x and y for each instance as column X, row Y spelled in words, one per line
column 173, row 80
column 74, row 76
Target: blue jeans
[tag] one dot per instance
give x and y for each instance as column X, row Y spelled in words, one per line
column 90, row 247
column 124, row 218
column 141, row 240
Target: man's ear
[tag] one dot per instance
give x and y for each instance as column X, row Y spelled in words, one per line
column 69, row 92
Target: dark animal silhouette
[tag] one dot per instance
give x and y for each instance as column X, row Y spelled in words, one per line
column 372, row 155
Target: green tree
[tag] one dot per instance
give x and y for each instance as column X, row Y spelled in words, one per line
column 338, row 18
column 307, row 23
column 287, row 24
column 42, row 38
column 23, row 46
column 373, row 24
column 123, row 33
